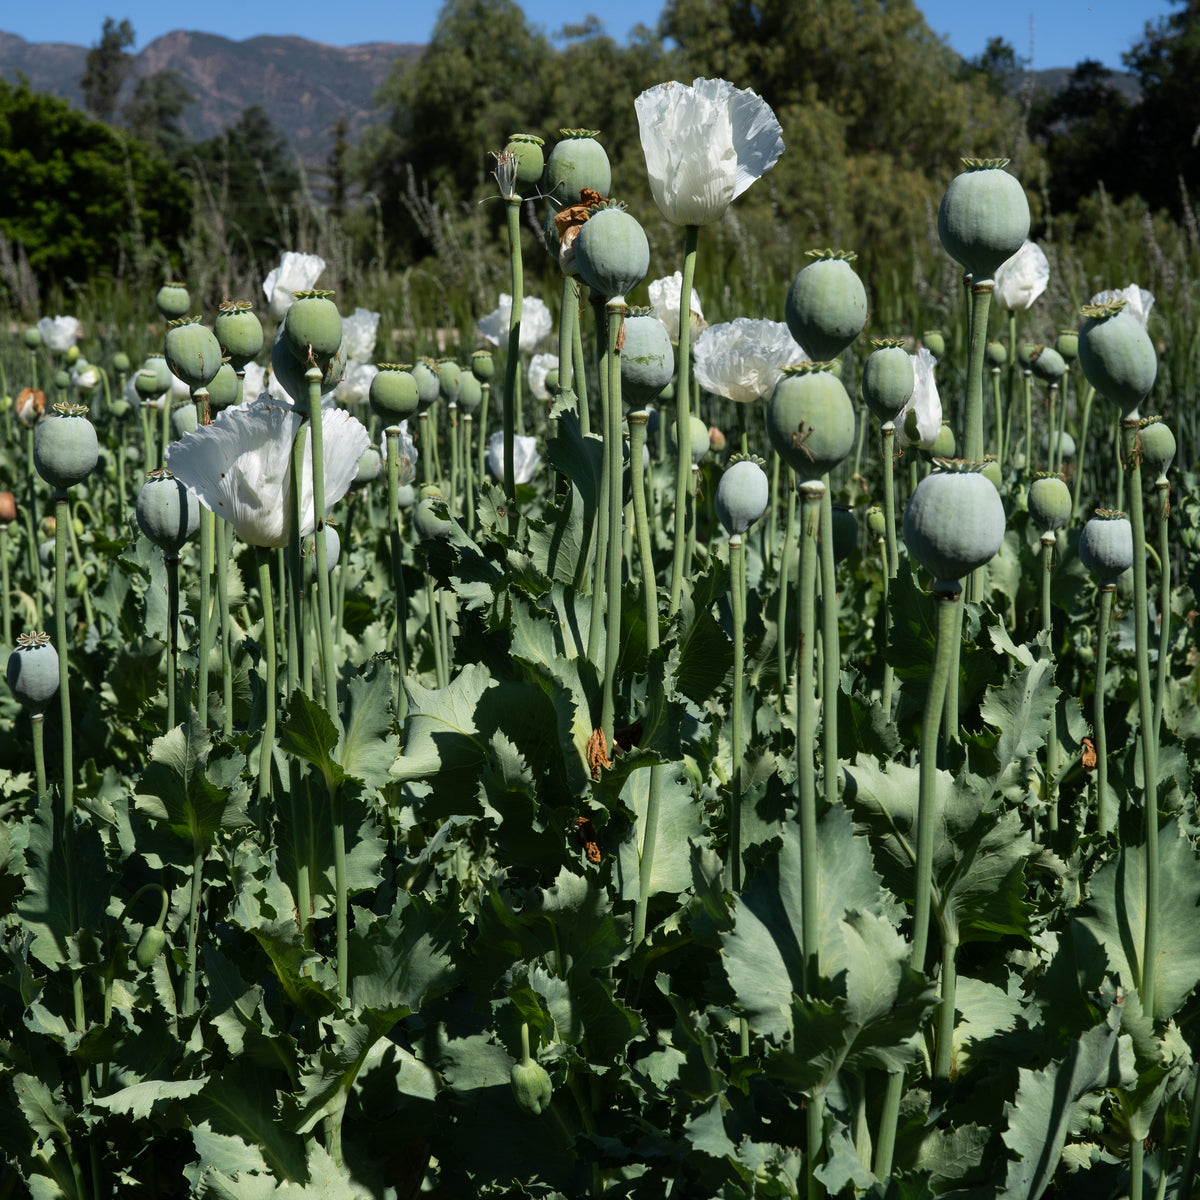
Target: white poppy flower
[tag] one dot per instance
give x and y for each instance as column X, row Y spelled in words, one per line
column 539, row 367
column 240, row 467
column 1138, row 301
column 743, row 359
column 664, row 299
column 536, row 322
column 359, row 331
column 920, row 421
column 356, row 383
column 295, row 273
column 1021, row 279
column 84, row 376
column 704, row 146
column 254, row 383
column 179, row 389
column 406, row 455
column 525, row 456
column 60, row 333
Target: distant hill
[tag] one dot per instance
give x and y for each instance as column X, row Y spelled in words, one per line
column 1054, row 79
column 304, row 86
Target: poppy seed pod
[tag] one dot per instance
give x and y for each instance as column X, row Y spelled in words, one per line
column 192, row 352
column 647, row 358
column 1116, row 355
column 742, row 495
column 167, row 512
column 1106, row 546
column 611, row 252
column 810, row 420
column 65, row 449
column 888, row 379
column 575, row 163
column 32, row 670
column 983, row 219
column 1049, row 502
column 172, row 300
column 239, row 332
column 526, row 149
column 826, row 305
column 313, row 328
column 1157, row 444
column 393, row 392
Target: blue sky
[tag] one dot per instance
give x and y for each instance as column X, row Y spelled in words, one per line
column 1054, row 33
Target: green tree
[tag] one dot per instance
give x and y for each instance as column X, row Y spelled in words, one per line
column 153, row 114
column 80, row 197
column 107, row 66
column 999, row 65
column 336, row 170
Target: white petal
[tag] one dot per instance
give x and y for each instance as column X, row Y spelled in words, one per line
column 1023, row 278
column 344, row 439
column 295, row 273
column 920, row 422
column 359, row 332
column 744, row 358
column 539, row 367
column 664, row 299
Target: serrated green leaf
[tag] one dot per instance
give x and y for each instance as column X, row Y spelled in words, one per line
column 1021, row 709
column 441, row 734
column 139, row 1100
column 367, row 747
column 46, row 1115
column 309, row 733
column 679, row 823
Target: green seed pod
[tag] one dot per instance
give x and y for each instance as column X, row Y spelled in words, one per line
column 983, row 219
column 32, row 671
column 996, row 354
column 313, row 327
column 876, row 522
column 943, row 444
column 333, row 548
column 120, row 409
column 428, row 388
column 888, row 379
column 953, row 523
column 65, row 448
column 1049, row 502
column 1047, row 364
column 611, row 252
column 483, row 366
column 1067, row 344
column 158, row 377
column 449, row 374
column 1117, row 356
column 991, row 472
column 935, row 342
column 431, row 516
column 551, row 381
column 393, row 392
column 526, row 148
column 172, row 301
column 370, row 467
column 239, row 331
column 531, row 1086
column 1025, row 353
column 1061, row 444
column 810, row 420
column 121, row 363
column 826, row 305
column 223, row 390
column 185, row 419
column 32, row 337
column 577, row 162
column 193, row 352
column 1106, row 546
column 470, row 393
column 845, row 532
column 742, row 495
column 699, row 440
column 1158, row 447
column 647, row 358
column 167, row 512
column 62, row 379
column 150, row 946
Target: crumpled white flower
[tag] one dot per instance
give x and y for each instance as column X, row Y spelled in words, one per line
column 743, row 359
column 664, row 299
column 525, row 456
column 539, row 367
column 1021, row 279
column 84, row 376
column 179, row 389
column 356, row 383
column 240, row 467
column 60, row 333
column 920, row 421
column 1138, row 301
column 536, row 322
column 359, row 331
column 296, row 273
column 254, row 385
column 407, row 455
column 704, row 146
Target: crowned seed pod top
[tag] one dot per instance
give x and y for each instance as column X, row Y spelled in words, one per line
column 647, row 358
column 526, row 148
column 167, row 512
column 393, row 392
column 1067, row 344
column 826, row 305
column 1106, row 546
column 954, row 523
column 1049, row 503
column 483, row 365
column 1116, row 355
column 313, row 328
column 888, row 379
column 1047, row 364
column 611, row 252
column 193, row 352
column 291, row 371
column 810, row 420
column 577, row 162
column 32, row 670
column 742, row 494
column 934, row 340
column 1157, row 444
column 239, row 331
column 65, row 448
column 983, row 219
column 172, row 300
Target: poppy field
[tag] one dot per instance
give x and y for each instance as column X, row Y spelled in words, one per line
column 617, row 753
